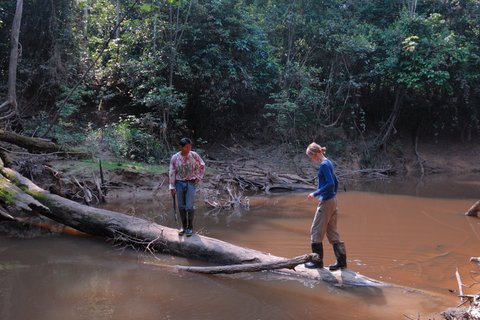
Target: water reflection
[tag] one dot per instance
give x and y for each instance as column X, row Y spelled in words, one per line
column 463, row 186
column 392, row 236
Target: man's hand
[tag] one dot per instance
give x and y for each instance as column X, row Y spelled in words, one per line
column 310, row 196
column 173, row 192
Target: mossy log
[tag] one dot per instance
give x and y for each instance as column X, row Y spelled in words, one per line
column 25, row 195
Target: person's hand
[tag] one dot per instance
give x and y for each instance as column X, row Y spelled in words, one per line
column 310, row 196
column 197, row 182
column 173, row 192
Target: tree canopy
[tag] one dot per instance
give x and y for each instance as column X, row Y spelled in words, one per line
column 146, row 72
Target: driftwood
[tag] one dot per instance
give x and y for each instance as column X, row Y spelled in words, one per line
column 244, row 175
column 474, row 210
column 90, row 192
column 21, row 195
column 456, row 314
column 252, row 267
column 461, row 312
column 472, row 312
column 250, row 177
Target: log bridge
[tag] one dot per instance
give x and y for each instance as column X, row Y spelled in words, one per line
column 19, row 197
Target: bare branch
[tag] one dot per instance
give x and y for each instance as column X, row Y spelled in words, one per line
column 253, row 267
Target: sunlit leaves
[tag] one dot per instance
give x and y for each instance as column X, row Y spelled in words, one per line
column 427, row 58
column 146, row 7
column 410, row 43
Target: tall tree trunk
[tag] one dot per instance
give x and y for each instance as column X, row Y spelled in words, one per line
column 85, row 21
column 117, row 15
column 154, row 36
column 389, row 127
column 174, row 36
column 412, row 8
column 9, row 108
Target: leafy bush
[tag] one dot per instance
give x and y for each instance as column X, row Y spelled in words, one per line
column 128, row 140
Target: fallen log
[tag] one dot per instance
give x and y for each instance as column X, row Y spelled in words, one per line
column 39, row 145
column 151, row 236
column 252, row 267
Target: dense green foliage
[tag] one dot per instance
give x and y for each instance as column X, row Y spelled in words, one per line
column 290, row 71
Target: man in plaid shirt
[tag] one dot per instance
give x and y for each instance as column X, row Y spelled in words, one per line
column 186, row 172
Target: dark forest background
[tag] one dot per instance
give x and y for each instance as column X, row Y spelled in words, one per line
column 134, row 76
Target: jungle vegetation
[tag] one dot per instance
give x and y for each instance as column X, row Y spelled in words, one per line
column 136, row 75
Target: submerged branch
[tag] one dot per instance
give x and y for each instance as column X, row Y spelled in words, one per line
column 252, row 267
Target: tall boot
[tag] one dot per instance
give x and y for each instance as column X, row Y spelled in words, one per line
column 183, row 217
column 317, row 247
column 190, row 215
column 341, row 255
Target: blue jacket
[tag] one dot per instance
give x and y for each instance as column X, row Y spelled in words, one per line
column 327, row 181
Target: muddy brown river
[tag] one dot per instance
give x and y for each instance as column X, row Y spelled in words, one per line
column 412, row 234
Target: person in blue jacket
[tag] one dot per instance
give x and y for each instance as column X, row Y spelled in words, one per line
column 325, row 220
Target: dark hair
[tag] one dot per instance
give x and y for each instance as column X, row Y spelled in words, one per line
column 184, row 141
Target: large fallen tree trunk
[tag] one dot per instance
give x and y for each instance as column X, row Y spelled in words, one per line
column 39, row 145
column 21, row 193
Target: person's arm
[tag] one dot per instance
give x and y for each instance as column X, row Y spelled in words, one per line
column 199, row 167
column 171, row 175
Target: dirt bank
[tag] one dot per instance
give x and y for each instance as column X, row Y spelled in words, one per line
column 233, row 170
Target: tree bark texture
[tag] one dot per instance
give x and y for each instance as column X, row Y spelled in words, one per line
column 142, row 233
column 11, row 99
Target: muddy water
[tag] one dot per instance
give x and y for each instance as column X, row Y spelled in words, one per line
column 407, row 233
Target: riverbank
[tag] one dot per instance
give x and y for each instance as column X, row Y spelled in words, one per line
column 247, row 167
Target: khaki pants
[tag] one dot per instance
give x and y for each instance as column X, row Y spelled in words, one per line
column 325, row 222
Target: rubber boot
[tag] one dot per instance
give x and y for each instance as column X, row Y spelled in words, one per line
column 341, row 255
column 318, row 249
column 190, row 215
column 183, row 217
